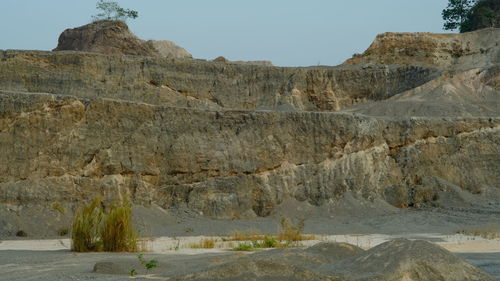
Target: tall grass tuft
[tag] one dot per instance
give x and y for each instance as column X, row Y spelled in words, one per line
column 93, row 229
column 85, row 229
column 118, row 234
column 292, row 233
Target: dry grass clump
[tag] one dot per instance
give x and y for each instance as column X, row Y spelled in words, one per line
column 56, row 206
column 206, row 243
column 86, row 226
column 292, row 233
column 249, row 235
column 118, row 234
column 288, row 236
column 93, row 229
column 487, row 232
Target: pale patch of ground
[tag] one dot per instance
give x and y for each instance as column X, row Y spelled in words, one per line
column 457, row 243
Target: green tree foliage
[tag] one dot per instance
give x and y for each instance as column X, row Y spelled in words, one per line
column 469, row 15
column 456, row 12
column 110, row 10
column 484, row 14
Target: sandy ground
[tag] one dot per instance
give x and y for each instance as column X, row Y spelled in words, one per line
column 457, row 243
column 45, row 256
column 51, row 259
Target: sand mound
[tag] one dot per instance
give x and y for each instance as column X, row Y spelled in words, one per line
column 402, row 259
column 398, row 260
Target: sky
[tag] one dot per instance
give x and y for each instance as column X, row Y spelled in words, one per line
column 286, row 32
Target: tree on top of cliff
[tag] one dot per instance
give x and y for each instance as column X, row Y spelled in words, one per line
column 110, row 10
column 486, row 13
column 456, row 12
column 469, row 15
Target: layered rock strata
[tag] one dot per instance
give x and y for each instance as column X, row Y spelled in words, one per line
column 235, row 141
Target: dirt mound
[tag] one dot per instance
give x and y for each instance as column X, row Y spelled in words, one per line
column 105, row 37
column 460, row 51
column 280, row 264
column 397, row 260
column 263, row 270
column 334, row 251
column 402, row 259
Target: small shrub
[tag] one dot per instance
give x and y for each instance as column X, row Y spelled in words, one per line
column 133, row 272
column 63, row 231
column 151, row 264
column 243, row 247
column 147, row 264
column 206, row 243
column 270, row 242
column 248, row 235
column 21, row 233
column 289, row 232
column 487, row 232
column 56, row 206
column 256, row 244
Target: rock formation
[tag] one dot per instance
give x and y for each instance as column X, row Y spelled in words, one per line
column 445, row 51
column 236, row 140
column 258, row 62
column 105, row 37
column 169, row 49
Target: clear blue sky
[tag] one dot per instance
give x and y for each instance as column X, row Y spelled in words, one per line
column 287, row 32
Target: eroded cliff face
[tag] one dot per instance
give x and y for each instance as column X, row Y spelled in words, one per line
column 230, row 163
column 445, row 51
column 202, row 84
column 235, row 141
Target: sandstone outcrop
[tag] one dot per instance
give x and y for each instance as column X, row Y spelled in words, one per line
column 169, row 49
column 257, row 62
column 204, row 84
column 105, row 37
column 230, row 163
column 445, row 51
column 235, row 141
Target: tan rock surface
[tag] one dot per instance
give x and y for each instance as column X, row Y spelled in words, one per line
column 230, row 163
column 202, row 84
column 105, row 37
column 458, row 51
column 169, row 49
column 235, row 141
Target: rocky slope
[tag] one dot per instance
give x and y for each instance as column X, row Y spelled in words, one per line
column 236, row 141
